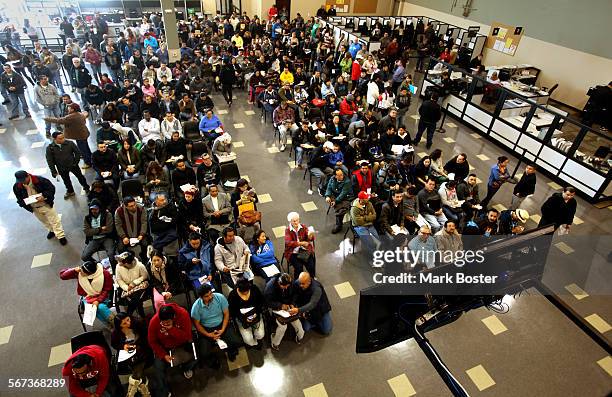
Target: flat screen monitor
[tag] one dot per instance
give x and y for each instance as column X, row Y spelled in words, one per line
column 387, row 310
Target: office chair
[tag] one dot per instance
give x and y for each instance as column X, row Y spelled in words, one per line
column 552, row 89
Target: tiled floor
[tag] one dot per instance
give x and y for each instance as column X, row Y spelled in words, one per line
column 531, row 351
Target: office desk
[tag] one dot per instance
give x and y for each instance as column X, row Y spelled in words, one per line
column 539, row 96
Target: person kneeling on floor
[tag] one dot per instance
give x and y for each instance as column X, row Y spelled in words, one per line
column 312, row 304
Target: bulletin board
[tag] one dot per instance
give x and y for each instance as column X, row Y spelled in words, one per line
column 342, row 6
column 365, row 7
column 504, row 38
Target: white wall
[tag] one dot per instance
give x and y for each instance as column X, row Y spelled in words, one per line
column 209, row 7
column 575, row 71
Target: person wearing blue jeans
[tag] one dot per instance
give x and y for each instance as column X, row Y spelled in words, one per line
column 363, row 216
column 15, row 85
column 56, row 80
column 85, row 151
column 312, row 304
column 48, row 96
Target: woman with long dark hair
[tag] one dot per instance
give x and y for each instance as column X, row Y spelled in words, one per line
column 130, row 335
column 262, row 254
column 129, row 160
column 156, row 180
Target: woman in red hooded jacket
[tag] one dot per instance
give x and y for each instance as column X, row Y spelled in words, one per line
column 87, row 372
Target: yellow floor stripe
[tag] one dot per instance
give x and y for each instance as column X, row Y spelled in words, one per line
column 578, row 292
column 401, row 386
column 480, row 377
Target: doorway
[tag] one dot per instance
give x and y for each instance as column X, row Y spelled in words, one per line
column 283, row 5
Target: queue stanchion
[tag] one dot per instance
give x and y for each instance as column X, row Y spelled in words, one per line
column 441, row 129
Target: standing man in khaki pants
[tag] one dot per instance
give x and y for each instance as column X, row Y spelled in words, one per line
column 31, row 187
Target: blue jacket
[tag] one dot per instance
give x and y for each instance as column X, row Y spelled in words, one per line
column 263, row 255
column 209, row 124
column 151, row 42
column 187, row 253
column 335, row 157
column 354, row 49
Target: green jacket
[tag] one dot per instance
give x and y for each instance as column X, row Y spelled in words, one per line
column 362, row 216
column 346, row 64
column 339, row 191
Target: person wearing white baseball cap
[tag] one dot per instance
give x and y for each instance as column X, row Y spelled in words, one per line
column 512, row 222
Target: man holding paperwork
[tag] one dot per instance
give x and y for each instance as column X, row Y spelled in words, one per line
column 232, row 257
column 170, row 332
column 36, row 194
column 210, row 314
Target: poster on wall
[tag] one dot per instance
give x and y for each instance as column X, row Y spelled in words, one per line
column 504, row 38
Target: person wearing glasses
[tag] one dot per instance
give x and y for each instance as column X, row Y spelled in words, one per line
column 87, row 372
column 424, row 246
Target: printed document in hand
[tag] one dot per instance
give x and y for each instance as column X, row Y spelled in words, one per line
column 270, row 270
column 90, row 314
column 282, row 313
column 31, row 199
column 134, row 241
column 186, row 187
column 398, row 230
column 222, row 345
column 124, row 355
column 245, row 310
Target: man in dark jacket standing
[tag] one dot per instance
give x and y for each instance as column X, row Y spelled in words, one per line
column 63, row 158
column 35, row 194
column 559, row 210
column 14, row 84
column 79, row 77
column 112, row 60
column 430, row 114
column 227, row 77
column 524, row 187
column 313, row 305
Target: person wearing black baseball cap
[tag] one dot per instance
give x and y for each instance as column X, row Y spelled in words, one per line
column 39, row 193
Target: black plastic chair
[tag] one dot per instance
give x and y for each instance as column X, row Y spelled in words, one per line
column 229, row 173
column 132, row 187
column 197, row 150
column 193, row 135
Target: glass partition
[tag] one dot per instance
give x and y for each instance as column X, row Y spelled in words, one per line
column 594, row 150
column 519, row 117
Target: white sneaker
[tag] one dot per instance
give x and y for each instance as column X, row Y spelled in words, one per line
column 282, row 148
column 188, row 374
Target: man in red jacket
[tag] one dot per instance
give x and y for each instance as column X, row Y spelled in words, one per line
column 87, row 372
column 170, row 338
column 348, row 109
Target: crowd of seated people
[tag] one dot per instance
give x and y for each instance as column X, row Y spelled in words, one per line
column 170, row 224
